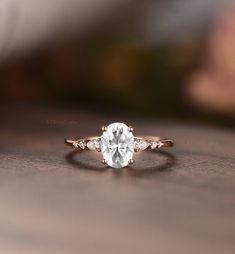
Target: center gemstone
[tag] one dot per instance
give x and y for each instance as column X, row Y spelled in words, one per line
column 117, row 145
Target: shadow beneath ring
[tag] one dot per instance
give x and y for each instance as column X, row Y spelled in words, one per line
column 166, row 165
column 83, row 165
column 133, row 170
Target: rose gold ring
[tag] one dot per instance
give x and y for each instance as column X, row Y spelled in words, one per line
column 118, row 144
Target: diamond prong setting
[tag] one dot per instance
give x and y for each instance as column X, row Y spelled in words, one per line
column 104, row 161
column 130, row 128
column 104, row 128
column 131, row 161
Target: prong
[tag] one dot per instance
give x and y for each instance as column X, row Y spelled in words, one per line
column 131, row 161
column 104, row 161
column 130, row 128
column 104, row 128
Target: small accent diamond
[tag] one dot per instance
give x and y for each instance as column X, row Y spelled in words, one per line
column 94, row 144
column 82, row 144
column 154, row 145
column 160, row 144
column 75, row 144
column 140, row 145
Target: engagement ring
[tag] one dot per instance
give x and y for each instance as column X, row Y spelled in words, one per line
column 118, row 144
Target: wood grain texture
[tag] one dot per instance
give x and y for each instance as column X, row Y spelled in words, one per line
column 180, row 200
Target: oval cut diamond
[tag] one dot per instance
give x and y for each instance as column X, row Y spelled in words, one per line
column 117, row 145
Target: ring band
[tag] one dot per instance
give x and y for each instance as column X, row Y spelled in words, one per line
column 118, row 144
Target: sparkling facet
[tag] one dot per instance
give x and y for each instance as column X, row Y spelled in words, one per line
column 153, row 144
column 82, row 144
column 117, row 145
column 140, row 144
column 94, row 144
column 75, row 144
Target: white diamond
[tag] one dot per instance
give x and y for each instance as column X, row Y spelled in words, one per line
column 82, row 144
column 75, row 144
column 117, row 145
column 94, row 144
column 154, row 144
column 141, row 145
column 160, row 144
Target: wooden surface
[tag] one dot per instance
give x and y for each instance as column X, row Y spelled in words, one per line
column 178, row 201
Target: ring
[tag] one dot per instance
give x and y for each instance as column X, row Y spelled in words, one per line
column 118, row 144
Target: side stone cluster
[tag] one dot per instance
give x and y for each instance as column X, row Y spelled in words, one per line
column 142, row 144
column 93, row 144
column 139, row 144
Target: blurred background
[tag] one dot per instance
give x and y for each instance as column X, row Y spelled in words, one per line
column 158, row 58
